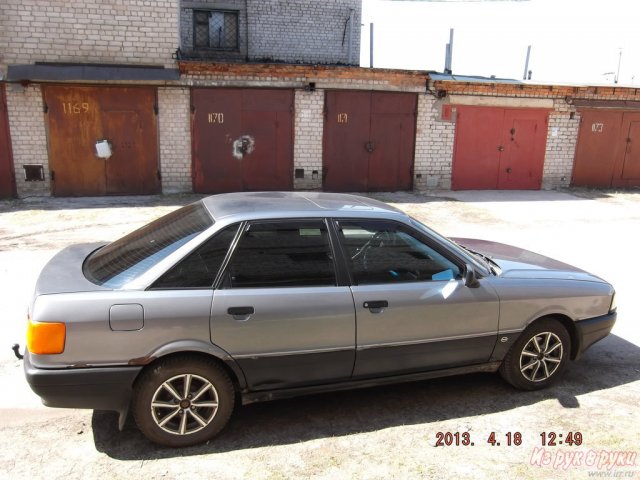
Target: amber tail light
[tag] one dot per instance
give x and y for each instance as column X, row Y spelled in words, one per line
column 44, row 338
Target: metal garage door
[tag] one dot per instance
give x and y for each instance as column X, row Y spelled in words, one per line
column 242, row 139
column 369, row 141
column 499, row 148
column 7, row 183
column 608, row 150
column 78, row 117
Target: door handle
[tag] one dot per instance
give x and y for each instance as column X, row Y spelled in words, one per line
column 508, row 170
column 500, row 148
column 240, row 313
column 375, row 304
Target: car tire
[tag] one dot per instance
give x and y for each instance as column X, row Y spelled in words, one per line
column 538, row 357
column 183, row 401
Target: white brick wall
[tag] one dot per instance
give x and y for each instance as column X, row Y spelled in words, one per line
column 29, row 142
column 562, row 138
column 175, row 139
column 304, row 31
column 308, row 131
column 109, row 31
column 434, row 147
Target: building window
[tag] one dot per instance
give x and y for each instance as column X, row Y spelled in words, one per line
column 215, row 29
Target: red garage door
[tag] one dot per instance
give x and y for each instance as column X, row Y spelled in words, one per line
column 7, row 183
column 369, row 139
column 242, row 139
column 499, row 148
column 608, row 150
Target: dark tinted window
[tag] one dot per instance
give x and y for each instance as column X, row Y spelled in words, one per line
column 282, row 254
column 386, row 252
column 124, row 260
column 200, row 268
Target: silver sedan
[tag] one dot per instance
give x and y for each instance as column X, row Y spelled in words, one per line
column 257, row 296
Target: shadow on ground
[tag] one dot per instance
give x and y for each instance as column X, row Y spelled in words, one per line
column 608, row 364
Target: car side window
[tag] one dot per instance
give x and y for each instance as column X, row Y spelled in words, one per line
column 282, row 254
column 199, row 268
column 387, row 252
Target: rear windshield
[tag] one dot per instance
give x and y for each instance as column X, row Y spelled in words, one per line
column 124, row 260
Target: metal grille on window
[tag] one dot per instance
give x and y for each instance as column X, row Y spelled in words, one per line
column 218, row 30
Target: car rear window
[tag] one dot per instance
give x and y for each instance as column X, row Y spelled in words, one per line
column 124, row 260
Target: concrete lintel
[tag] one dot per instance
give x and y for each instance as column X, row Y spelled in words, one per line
column 513, row 102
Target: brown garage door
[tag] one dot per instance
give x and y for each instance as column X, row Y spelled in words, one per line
column 608, row 150
column 78, row 117
column 499, row 148
column 7, row 182
column 242, row 139
column 369, row 141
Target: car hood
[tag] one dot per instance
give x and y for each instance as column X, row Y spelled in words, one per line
column 63, row 273
column 517, row 262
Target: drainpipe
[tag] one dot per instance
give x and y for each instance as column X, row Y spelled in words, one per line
column 349, row 54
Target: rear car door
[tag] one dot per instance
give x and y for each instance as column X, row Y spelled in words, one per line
column 279, row 310
column 413, row 310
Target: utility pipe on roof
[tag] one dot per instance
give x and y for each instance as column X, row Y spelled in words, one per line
column 349, row 43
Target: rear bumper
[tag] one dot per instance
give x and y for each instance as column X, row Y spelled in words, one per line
column 593, row 329
column 103, row 388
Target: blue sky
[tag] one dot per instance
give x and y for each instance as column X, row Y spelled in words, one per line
column 572, row 41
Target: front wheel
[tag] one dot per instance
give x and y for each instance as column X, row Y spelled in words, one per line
column 183, row 401
column 538, row 357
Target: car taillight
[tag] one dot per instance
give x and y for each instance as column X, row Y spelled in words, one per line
column 44, row 338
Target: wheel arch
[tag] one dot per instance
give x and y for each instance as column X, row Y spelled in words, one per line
column 195, row 349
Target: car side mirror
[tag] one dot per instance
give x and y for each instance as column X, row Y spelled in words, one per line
column 470, row 278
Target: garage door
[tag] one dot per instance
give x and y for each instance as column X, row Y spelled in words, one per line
column 79, row 117
column 499, row 148
column 608, row 150
column 369, row 141
column 242, row 139
column 7, row 183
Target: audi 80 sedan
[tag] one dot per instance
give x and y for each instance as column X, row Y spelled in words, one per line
column 246, row 297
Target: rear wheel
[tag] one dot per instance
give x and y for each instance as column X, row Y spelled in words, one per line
column 538, row 357
column 183, row 401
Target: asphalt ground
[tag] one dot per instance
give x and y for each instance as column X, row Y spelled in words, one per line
column 386, row 432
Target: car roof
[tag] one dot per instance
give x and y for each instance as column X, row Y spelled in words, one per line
column 261, row 205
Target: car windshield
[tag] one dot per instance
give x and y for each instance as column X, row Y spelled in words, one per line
column 126, row 259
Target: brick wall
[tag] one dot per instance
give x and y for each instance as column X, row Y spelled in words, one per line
column 434, row 146
column 29, row 142
column 308, row 131
column 304, row 31
column 562, row 138
column 175, row 139
column 108, row 31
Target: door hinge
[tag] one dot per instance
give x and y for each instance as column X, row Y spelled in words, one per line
column 156, row 109
column 45, row 107
column 52, row 175
column 193, row 108
column 159, row 174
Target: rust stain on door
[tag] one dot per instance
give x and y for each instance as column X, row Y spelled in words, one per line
column 78, row 117
column 242, row 139
column 7, row 179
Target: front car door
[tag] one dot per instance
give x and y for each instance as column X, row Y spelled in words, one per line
column 280, row 310
column 413, row 310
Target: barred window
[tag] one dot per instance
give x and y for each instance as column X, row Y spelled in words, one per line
column 215, row 29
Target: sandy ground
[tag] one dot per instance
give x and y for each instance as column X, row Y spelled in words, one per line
column 388, row 432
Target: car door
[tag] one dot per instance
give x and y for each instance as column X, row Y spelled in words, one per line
column 280, row 311
column 413, row 310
